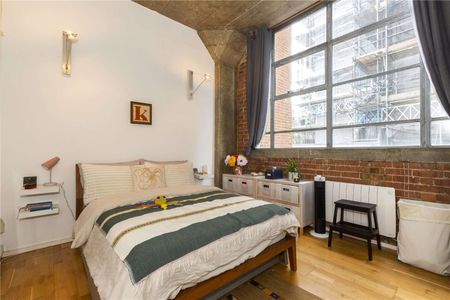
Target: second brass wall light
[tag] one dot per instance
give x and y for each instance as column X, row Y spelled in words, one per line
column 68, row 38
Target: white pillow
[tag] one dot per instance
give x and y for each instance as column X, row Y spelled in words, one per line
column 148, row 176
column 179, row 174
column 104, row 180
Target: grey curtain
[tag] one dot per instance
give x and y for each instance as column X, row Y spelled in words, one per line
column 259, row 48
column 433, row 27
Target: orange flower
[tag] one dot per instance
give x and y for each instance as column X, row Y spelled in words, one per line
column 232, row 161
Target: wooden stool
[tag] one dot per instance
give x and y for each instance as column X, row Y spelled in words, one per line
column 365, row 232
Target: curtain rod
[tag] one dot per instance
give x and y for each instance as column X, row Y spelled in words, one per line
column 286, row 21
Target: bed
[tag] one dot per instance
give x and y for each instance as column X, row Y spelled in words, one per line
column 185, row 252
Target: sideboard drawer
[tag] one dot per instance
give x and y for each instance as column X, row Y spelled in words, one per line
column 287, row 193
column 246, row 187
column 266, row 189
column 231, row 184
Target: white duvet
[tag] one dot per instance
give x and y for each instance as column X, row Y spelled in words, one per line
column 111, row 276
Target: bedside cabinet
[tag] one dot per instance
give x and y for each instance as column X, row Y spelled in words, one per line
column 297, row 196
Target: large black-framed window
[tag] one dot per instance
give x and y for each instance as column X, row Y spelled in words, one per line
column 349, row 74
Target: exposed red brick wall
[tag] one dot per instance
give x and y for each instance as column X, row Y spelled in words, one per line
column 429, row 181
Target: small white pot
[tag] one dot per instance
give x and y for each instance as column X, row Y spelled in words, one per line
column 292, row 175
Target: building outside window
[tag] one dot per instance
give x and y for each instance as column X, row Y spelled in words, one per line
column 349, row 74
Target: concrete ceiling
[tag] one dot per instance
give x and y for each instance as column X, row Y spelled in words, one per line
column 238, row 15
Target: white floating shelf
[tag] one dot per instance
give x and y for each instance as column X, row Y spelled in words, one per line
column 39, row 190
column 203, row 176
column 38, row 213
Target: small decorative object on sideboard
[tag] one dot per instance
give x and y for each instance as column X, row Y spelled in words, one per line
column 274, row 173
column 29, row 182
column 293, row 170
column 236, row 161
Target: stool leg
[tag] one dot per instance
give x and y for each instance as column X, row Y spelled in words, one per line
column 369, row 221
column 369, row 249
column 330, row 237
column 376, row 226
column 342, row 219
column 335, row 214
column 330, row 234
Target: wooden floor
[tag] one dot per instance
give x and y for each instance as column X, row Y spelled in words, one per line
column 342, row 272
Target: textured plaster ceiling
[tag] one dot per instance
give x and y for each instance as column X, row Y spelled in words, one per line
column 232, row 15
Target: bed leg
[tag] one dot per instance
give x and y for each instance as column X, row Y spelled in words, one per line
column 292, row 252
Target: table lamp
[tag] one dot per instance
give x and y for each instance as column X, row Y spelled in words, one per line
column 48, row 165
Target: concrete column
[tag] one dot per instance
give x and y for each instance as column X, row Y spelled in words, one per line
column 225, row 117
column 226, row 48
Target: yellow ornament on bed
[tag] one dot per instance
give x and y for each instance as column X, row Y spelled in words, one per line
column 161, row 201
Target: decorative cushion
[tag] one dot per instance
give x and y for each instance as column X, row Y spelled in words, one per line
column 148, row 176
column 179, row 174
column 104, row 180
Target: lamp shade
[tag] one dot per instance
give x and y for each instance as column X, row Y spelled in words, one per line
column 49, row 164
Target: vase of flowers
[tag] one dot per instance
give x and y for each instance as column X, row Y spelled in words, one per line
column 236, row 161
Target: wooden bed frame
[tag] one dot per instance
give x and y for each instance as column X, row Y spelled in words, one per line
column 220, row 284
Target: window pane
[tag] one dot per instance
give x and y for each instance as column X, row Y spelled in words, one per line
column 300, row 74
column 352, row 15
column 265, row 142
column 305, row 111
column 437, row 110
column 386, row 98
column 386, row 48
column 378, row 136
column 310, row 31
column 440, row 132
column 316, row 138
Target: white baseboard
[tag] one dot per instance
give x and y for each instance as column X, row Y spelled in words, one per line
column 36, row 247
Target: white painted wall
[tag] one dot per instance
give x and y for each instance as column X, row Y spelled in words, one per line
column 125, row 52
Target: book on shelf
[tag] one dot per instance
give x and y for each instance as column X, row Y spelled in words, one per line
column 39, row 206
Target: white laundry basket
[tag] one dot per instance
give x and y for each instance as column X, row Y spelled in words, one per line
column 424, row 235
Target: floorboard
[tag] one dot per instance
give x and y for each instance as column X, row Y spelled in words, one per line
column 340, row 272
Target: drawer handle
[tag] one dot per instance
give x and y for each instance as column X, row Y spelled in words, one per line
column 266, row 186
column 230, row 180
column 286, row 189
column 244, row 182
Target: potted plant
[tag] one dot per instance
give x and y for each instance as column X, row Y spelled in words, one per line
column 292, row 169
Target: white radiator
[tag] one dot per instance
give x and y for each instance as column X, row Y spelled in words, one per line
column 383, row 197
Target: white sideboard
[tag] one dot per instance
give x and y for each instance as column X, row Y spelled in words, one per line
column 297, row 196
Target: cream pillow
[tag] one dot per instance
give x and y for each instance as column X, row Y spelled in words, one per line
column 125, row 163
column 148, row 176
column 104, row 180
column 179, row 174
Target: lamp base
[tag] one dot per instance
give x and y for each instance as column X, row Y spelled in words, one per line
column 50, row 184
column 319, row 235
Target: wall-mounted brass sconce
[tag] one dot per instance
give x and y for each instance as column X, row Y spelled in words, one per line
column 68, row 38
column 191, row 90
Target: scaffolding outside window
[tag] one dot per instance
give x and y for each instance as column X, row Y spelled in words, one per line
column 349, row 74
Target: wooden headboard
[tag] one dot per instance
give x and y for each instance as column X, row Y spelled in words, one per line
column 79, row 192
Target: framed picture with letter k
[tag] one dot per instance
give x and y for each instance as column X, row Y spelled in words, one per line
column 140, row 113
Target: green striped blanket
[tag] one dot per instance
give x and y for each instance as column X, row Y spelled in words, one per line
column 148, row 237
